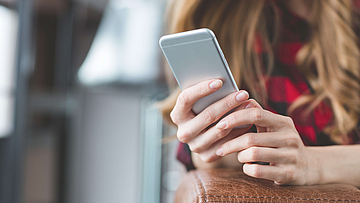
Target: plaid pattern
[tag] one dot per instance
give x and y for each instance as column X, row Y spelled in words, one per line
column 286, row 84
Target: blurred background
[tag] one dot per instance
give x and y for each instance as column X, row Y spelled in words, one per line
column 79, row 82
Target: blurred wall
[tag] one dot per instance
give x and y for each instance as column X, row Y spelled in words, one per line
column 83, row 142
column 108, row 161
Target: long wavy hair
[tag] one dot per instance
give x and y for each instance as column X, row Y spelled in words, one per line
column 332, row 48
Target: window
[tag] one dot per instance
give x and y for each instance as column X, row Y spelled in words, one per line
column 8, row 36
column 125, row 48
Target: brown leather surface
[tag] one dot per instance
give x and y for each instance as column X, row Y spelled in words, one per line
column 232, row 185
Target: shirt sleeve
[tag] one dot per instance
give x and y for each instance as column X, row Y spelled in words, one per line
column 184, row 156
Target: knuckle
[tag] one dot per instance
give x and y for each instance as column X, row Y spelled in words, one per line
column 206, row 158
column 253, row 101
column 256, row 171
column 183, row 99
column 220, row 133
column 254, row 154
column 289, row 174
column 234, row 118
column 174, row 117
column 289, row 121
column 257, row 114
column 226, row 148
column 202, row 90
column 229, row 102
column 280, row 180
column 292, row 158
column 195, row 148
column 251, row 139
column 183, row 136
column 209, row 116
column 239, row 157
column 292, row 142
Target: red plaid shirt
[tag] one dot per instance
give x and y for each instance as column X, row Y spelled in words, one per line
column 286, row 84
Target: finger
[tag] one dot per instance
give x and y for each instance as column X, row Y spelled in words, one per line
column 271, row 139
column 213, row 113
column 190, row 95
column 268, row 172
column 209, row 154
column 207, row 138
column 264, row 154
column 257, row 116
column 251, row 103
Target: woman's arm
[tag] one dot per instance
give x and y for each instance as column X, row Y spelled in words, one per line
column 329, row 164
column 291, row 163
column 335, row 164
column 277, row 141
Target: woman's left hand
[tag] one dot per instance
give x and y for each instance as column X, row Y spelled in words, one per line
column 277, row 142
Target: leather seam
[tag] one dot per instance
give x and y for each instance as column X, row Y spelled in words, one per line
column 285, row 198
column 203, row 187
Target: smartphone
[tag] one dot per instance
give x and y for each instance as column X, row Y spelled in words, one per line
column 195, row 56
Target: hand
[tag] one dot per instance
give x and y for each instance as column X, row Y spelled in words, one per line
column 198, row 131
column 277, row 142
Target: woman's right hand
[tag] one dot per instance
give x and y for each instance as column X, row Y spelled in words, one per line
column 197, row 131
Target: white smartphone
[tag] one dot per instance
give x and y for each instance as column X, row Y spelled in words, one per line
column 195, row 56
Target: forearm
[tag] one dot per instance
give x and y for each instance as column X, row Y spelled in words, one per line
column 335, row 164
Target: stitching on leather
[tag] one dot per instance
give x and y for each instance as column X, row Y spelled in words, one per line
column 203, row 187
column 286, row 198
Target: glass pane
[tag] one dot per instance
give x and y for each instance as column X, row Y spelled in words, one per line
column 8, row 40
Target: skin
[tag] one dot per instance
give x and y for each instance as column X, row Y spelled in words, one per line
column 277, row 141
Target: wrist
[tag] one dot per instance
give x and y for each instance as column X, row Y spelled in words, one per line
column 315, row 169
column 333, row 164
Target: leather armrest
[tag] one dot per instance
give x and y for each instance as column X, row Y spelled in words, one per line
column 232, row 185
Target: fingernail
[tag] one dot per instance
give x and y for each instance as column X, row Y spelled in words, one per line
column 216, row 84
column 221, row 125
column 242, row 96
column 250, row 105
column 220, row 151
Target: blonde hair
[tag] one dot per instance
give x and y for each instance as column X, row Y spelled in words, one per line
column 332, row 48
